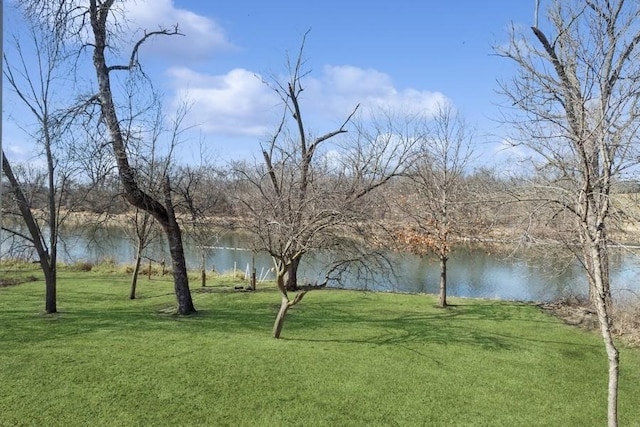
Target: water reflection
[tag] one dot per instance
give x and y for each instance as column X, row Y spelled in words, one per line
column 471, row 273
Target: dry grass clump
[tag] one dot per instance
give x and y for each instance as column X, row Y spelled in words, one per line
column 579, row 312
column 627, row 320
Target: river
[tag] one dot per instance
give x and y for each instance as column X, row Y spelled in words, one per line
column 471, row 273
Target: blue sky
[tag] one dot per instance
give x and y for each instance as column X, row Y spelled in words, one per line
column 396, row 53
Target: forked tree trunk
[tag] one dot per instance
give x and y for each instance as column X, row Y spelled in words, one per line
column 285, row 302
column 442, row 298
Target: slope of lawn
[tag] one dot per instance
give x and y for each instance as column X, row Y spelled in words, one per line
column 346, row 359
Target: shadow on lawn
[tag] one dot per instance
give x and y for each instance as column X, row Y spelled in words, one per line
column 351, row 321
column 442, row 327
column 476, row 325
column 20, row 326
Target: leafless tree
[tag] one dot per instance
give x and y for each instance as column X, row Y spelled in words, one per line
column 205, row 207
column 145, row 126
column 439, row 207
column 94, row 25
column 143, row 232
column 575, row 110
column 38, row 89
column 310, row 193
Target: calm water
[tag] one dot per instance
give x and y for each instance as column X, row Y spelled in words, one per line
column 471, row 273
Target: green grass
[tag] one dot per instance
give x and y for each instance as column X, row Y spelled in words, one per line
column 346, row 359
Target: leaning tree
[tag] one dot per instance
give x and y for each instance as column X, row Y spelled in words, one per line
column 96, row 25
column 38, row 90
column 575, row 99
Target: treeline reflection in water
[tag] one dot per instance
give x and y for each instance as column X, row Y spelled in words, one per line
column 475, row 273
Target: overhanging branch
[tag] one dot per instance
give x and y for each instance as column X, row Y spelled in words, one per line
column 133, row 59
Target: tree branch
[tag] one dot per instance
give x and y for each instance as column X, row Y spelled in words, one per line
column 133, row 59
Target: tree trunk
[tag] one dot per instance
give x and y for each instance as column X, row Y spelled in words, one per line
column 292, row 275
column 602, row 302
column 588, row 262
column 179, row 264
column 48, row 268
column 284, row 307
column 442, row 299
column 136, row 271
column 284, row 301
column 203, row 271
column 614, row 362
column 180, row 277
column 50, row 305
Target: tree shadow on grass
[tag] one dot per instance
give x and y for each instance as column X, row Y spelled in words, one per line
column 129, row 317
column 474, row 325
column 349, row 321
column 409, row 330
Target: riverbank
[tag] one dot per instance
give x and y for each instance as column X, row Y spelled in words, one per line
column 625, row 233
column 573, row 310
column 577, row 312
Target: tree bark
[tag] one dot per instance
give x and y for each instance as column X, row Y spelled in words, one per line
column 50, row 280
column 279, row 323
column 285, row 302
column 203, row 271
column 603, row 308
column 136, row 271
column 442, row 298
column 179, row 264
column 292, row 275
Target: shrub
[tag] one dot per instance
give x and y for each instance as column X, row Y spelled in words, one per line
column 82, row 266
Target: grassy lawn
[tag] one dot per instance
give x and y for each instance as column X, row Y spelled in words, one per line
column 346, row 359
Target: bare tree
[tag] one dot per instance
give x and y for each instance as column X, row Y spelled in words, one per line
column 94, row 24
column 35, row 87
column 163, row 212
column 205, row 205
column 309, row 194
column 140, row 225
column 440, row 209
column 576, row 96
column 143, row 233
column 143, row 148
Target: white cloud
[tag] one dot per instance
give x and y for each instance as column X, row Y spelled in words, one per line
column 238, row 103
column 20, row 151
column 341, row 88
column 347, row 79
column 202, row 35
